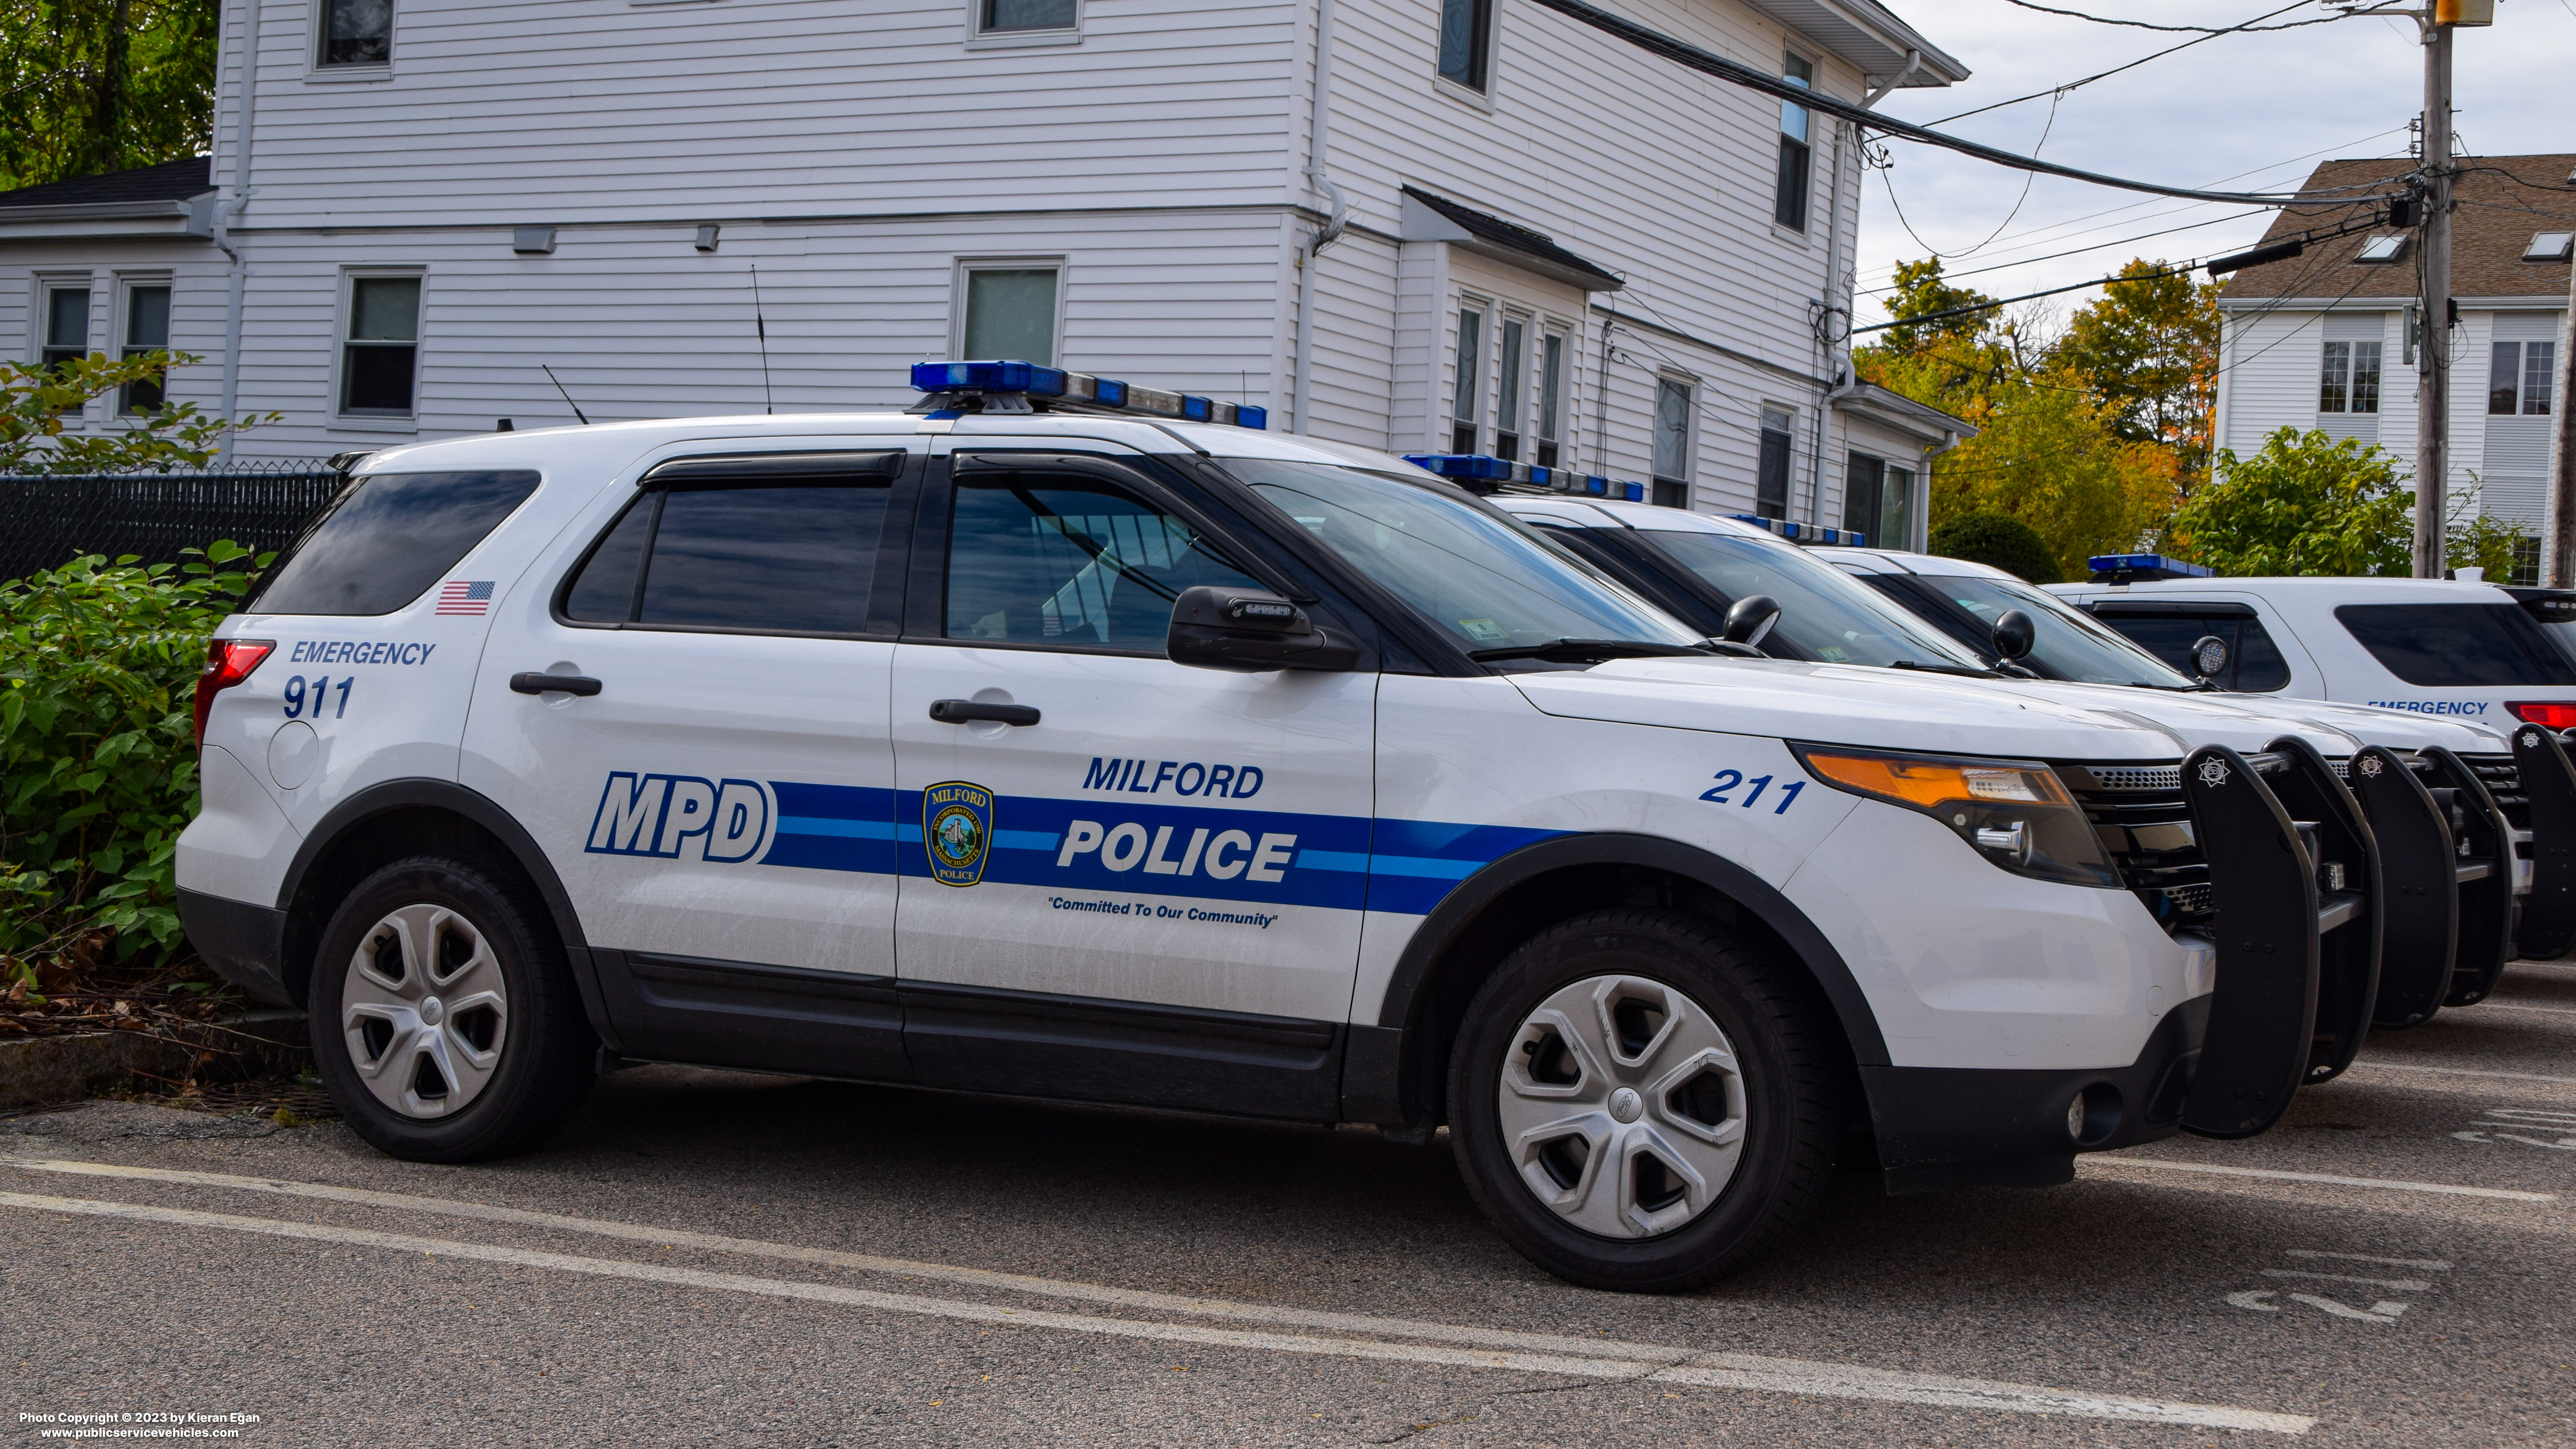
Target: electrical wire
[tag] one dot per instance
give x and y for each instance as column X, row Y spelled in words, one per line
column 2077, row 252
column 2205, row 29
column 1708, row 63
column 2060, row 91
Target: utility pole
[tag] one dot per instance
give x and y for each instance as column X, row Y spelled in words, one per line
column 2433, row 343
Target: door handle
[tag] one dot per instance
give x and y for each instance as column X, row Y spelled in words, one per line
column 965, row 711
column 533, row 683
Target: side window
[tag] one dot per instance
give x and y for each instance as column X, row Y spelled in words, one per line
column 147, row 330
column 1789, row 203
column 1039, row 558
column 1467, row 42
column 355, row 32
column 1673, row 402
column 380, row 346
column 1551, row 396
column 757, row 558
column 2255, row 663
column 1007, row 310
column 1467, row 401
column 386, row 539
column 66, row 325
column 2457, row 646
column 1771, row 472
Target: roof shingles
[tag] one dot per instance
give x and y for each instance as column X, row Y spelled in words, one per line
column 2501, row 200
column 169, row 181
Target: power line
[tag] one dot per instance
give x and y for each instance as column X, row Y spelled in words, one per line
column 2077, row 252
column 2115, row 70
column 2186, row 29
column 1692, row 57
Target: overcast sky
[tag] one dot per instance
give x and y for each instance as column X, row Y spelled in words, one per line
column 2235, row 113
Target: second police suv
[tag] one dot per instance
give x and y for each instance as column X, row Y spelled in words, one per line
column 1067, row 739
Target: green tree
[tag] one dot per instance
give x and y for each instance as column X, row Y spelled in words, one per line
column 35, row 400
column 2006, row 543
column 2304, row 504
column 91, row 86
column 2149, row 349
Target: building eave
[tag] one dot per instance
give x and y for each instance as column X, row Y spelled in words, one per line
column 1895, row 410
column 109, row 220
column 1870, row 38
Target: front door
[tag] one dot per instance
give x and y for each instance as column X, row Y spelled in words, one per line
column 720, row 805
column 1151, row 892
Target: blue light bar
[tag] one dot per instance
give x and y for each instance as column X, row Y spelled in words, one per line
column 2121, row 568
column 1480, row 468
column 1035, row 380
column 1806, row 533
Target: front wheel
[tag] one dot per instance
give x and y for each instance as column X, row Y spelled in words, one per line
column 1641, row 1102
column 445, row 1020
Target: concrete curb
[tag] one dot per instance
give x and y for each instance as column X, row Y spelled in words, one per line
column 42, row 1069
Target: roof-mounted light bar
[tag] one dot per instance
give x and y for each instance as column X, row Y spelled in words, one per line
column 1478, row 468
column 2129, row 568
column 1055, row 384
column 1807, row 533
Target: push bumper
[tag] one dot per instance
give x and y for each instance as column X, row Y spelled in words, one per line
column 244, row 942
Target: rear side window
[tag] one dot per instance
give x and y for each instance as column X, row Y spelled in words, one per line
column 1035, row 558
column 2254, row 662
column 769, row 558
column 386, row 539
column 2457, row 646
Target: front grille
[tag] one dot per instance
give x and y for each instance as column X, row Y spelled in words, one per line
column 2503, row 779
column 2138, row 813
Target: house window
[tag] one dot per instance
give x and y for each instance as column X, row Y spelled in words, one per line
column 1010, row 313
column 1466, row 402
column 1771, row 474
column 2348, row 378
column 1010, row 17
column 2519, row 379
column 357, row 32
column 1513, row 395
column 66, row 325
column 2550, row 246
column 1789, row 208
column 1551, row 397
column 1467, row 42
column 147, row 329
column 2383, row 248
column 380, row 347
column 1672, row 442
column 1895, row 510
column 1864, row 483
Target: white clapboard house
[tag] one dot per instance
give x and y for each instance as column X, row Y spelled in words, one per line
column 1543, row 243
column 2326, row 340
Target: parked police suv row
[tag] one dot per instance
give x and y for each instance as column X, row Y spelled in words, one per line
column 1066, row 739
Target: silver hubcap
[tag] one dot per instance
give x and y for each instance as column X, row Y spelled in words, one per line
column 1623, row 1106
column 424, row 1011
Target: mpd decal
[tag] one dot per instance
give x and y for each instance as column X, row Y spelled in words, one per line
column 956, row 831
column 679, row 817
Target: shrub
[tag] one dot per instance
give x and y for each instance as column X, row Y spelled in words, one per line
column 97, row 670
column 2006, row 543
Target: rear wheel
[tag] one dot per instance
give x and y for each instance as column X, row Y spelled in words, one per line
column 445, row 1020
column 1642, row 1102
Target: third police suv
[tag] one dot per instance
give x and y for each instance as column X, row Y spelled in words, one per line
column 1062, row 738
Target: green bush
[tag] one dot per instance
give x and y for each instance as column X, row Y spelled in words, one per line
column 98, row 766
column 2005, row 543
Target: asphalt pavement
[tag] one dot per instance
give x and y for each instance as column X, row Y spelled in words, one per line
column 711, row 1257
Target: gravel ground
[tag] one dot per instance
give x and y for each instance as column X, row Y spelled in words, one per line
column 704, row 1258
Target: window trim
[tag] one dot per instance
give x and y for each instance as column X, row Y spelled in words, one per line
column 40, row 318
column 1807, row 147
column 1484, row 47
column 964, row 267
column 1483, row 309
column 317, row 15
column 979, row 38
column 121, row 321
column 344, row 317
column 1689, row 479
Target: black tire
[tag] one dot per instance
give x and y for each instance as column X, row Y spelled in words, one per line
column 1787, row 1094
column 521, row 1011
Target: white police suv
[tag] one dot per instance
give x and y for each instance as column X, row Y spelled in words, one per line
column 1061, row 739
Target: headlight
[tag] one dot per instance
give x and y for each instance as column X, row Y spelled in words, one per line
column 2012, row 812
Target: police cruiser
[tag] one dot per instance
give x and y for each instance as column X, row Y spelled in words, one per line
column 2447, row 946
column 1064, row 738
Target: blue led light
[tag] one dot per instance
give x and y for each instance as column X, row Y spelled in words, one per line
column 2153, row 565
column 1026, row 377
column 1462, row 465
column 1198, row 409
column 1248, row 416
column 1636, row 492
column 1109, row 392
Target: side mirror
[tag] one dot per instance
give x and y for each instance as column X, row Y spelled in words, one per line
column 1750, row 621
column 2014, row 634
column 2209, row 656
column 1250, row 631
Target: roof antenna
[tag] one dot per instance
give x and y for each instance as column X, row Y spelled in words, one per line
column 567, row 397
column 761, row 325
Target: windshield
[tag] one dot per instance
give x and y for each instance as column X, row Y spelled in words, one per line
column 2068, row 643
column 1824, row 614
column 1485, row 577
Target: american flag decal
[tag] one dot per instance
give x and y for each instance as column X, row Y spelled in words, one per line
column 465, row 596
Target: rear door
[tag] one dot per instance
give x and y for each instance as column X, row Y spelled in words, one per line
column 1150, row 891
column 714, row 783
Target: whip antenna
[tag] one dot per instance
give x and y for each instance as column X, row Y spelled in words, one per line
column 760, row 325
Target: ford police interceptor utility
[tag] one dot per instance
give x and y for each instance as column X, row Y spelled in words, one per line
column 1060, row 739
column 1968, row 618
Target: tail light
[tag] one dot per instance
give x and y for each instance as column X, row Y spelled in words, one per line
column 228, row 662
column 2550, row 716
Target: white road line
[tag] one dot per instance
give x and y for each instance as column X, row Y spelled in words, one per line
column 2434, row 1264
column 2552, row 1010
column 2508, row 1194
column 2402, row 1285
column 2465, row 1072
column 1714, row 1370
column 897, row 1267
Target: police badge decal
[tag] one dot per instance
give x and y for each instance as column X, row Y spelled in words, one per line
column 956, row 831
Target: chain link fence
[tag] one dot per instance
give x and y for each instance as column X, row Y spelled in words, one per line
column 47, row 521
